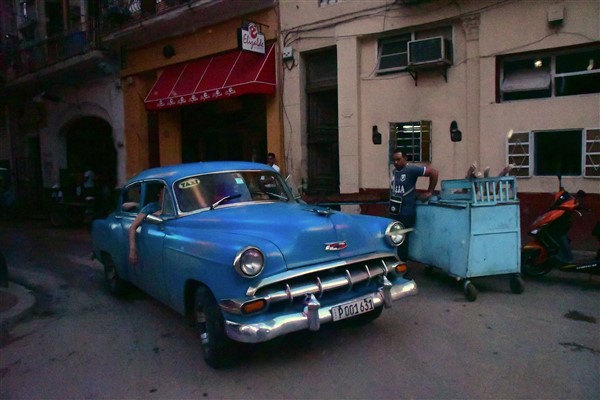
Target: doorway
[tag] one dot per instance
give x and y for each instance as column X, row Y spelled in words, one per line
column 232, row 129
column 323, row 129
column 90, row 146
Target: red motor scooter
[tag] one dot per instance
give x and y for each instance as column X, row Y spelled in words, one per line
column 550, row 247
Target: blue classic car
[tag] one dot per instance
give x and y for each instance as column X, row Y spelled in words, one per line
column 234, row 250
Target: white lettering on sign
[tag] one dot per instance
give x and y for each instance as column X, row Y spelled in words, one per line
column 253, row 40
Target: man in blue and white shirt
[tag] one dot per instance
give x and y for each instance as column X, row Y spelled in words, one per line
column 403, row 190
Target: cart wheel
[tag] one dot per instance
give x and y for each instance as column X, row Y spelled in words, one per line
column 470, row 291
column 517, row 285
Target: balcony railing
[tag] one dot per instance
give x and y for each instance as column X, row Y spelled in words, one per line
column 114, row 15
column 121, row 13
column 32, row 58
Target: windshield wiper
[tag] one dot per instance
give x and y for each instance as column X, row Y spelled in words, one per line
column 224, row 199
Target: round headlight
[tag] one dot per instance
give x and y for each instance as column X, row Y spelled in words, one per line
column 395, row 233
column 249, row 262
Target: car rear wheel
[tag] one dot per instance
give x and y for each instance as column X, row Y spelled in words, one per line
column 115, row 285
column 217, row 349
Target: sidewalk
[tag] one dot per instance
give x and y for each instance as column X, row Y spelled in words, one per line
column 16, row 302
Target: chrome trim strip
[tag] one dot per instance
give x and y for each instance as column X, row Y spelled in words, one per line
column 267, row 330
column 294, row 273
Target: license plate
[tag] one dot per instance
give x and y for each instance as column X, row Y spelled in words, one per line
column 353, row 308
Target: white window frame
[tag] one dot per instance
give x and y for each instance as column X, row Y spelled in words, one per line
column 524, row 161
column 591, row 152
column 544, row 78
column 405, row 37
column 519, row 153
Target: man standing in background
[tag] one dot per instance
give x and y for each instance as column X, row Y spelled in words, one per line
column 271, row 162
column 403, row 198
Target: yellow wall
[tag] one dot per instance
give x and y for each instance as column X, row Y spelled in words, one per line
column 169, row 133
column 141, row 70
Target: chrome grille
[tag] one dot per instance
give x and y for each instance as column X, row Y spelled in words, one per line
column 320, row 282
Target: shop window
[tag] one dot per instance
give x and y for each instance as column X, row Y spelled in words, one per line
column 560, row 73
column 414, row 138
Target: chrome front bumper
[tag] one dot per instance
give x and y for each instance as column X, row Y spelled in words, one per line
column 312, row 317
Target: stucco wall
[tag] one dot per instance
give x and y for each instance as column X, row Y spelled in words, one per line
column 482, row 30
column 102, row 99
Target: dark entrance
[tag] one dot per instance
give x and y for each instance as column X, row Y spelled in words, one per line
column 322, row 136
column 231, row 129
column 90, row 146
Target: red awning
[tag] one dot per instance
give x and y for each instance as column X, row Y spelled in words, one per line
column 213, row 78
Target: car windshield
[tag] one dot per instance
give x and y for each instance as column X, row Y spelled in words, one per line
column 211, row 190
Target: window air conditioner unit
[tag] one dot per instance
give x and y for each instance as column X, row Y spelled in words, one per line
column 430, row 52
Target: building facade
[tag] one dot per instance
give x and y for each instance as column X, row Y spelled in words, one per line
column 77, row 77
column 191, row 92
column 61, row 100
column 455, row 82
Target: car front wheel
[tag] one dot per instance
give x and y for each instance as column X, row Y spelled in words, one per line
column 217, row 349
column 116, row 286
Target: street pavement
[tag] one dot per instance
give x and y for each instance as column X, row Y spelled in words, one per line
column 16, row 302
column 543, row 343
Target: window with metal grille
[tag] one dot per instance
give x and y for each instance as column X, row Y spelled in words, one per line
column 414, row 138
column 518, row 153
column 574, row 152
column 592, row 153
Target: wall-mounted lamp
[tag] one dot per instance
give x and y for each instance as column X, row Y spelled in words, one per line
column 376, row 135
column 168, row 51
column 455, row 133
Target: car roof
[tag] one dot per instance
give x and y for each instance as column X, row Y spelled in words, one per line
column 172, row 173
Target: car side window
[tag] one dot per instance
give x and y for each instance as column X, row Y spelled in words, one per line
column 131, row 199
column 157, row 192
column 167, row 206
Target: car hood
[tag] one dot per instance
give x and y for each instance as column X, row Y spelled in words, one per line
column 303, row 233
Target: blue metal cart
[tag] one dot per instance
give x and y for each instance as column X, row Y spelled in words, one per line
column 472, row 229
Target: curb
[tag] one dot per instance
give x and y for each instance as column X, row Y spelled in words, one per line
column 25, row 301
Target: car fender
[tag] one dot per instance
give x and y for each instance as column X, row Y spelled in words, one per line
column 207, row 258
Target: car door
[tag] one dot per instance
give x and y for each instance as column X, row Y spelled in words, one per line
column 150, row 239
